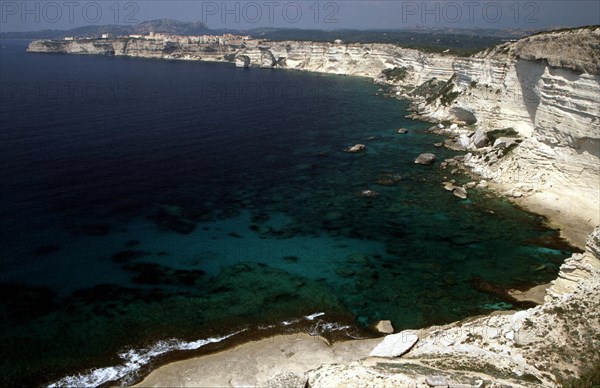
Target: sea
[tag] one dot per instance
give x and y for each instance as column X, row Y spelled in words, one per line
column 152, row 210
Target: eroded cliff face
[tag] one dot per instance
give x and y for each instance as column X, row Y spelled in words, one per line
column 541, row 95
column 365, row 60
column 546, row 88
column 135, row 47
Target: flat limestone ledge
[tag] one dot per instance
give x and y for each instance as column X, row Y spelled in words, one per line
column 565, row 210
column 535, row 294
column 255, row 363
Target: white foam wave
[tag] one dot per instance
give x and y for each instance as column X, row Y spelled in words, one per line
column 134, row 360
column 310, row 317
column 325, row 327
column 266, row 327
column 313, row 316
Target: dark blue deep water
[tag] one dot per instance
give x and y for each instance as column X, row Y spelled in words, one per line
column 155, row 206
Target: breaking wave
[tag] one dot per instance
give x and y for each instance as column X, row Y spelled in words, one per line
column 133, row 359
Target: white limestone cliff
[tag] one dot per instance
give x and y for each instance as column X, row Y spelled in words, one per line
column 365, row 60
column 544, row 91
column 548, row 93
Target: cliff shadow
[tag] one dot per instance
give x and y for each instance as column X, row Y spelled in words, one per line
column 529, row 74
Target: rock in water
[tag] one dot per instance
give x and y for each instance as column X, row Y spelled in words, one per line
column 402, row 131
column 460, row 192
column 425, row 158
column 384, row 327
column 395, row 345
column 369, row 194
column 356, row 148
column 387, row 179
column 449, row 186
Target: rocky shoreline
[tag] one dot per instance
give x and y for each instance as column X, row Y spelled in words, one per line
column 548, row 345
column 544, row 346
column 527, row 117
column 528, row 120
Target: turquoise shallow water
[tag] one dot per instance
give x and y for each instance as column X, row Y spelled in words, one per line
column 205, row 200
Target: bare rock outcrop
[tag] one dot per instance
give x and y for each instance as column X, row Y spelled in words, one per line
column 544, row 90
column 574, row 49
column 543, row 346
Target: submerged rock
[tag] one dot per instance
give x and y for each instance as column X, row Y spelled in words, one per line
column 168, row 220
column 21, row 302
column 345, row 272
column 388, row 179
column 156, row 274
column 46, row 250
column 355, row 148
column 132, row 243
column 369, row 194
column 426, row 158
column 128, row 255
column 460, row 192
column 92, row 229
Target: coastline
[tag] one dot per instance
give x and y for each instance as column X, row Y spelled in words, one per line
column 297, row 359
column 572, row 226
column 257, row 362
column 272, row 350
column 287, row 358
column 266, row 361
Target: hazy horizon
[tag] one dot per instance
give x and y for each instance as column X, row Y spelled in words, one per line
column 31, row 16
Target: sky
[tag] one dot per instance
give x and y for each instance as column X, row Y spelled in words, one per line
column 30, row 15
